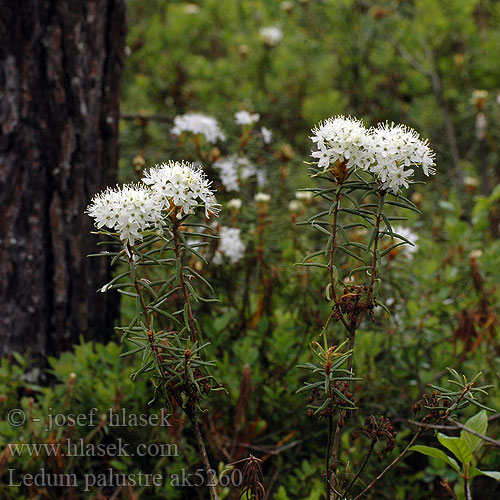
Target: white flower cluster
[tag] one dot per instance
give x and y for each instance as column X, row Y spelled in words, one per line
column 198, row 123
column 262, row 198
column 173, row 187
column 182, row 185
column 245, row 118
column 230, row 245
column 271, row 35
column 304, row 195
column 234, row 204
column 129, row 210
column 235, row 168
column 384, row 150
column 302, row 198
column 340, row 139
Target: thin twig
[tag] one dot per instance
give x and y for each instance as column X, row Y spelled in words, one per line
column 206, row 463
column 145, row 118
column 455, row 427
column 360, row 470
column 391, row 465
column 492, row 441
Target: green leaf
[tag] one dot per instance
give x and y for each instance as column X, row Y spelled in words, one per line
column 478, row 423
column 372, row 237
column 352, row 254
column 360, row 269
column 457, row 446
column 403, row 205
column 490, row 473
column 392, row 247
column 436, row 453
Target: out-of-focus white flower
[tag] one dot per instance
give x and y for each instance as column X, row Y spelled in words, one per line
column 267, row 135
column 408, row 234
column 192, row 8
column 245, row 118
column 271, row 35
column 479, row 95
column 228, row 172
column 287, row 6
column 235, row 168
column 295, row 206
column 471, row 183
column 128, row 210
column 230, row 246
column 261, row 178
column 234, row 204
column 476, row 254
column 262, row 198
column 247, row 168
column 304, row 195
column 481, row 126
column 198, row 123
column 182, row 185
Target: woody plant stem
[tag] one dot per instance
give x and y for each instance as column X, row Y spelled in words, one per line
column 351, row 327
column 194, row 335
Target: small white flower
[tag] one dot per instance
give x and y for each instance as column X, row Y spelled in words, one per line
column 304, row 195
column 245, row 118
column 476, row 254
column 481, row 126
column 198, row 123
column 262, row 198
column 234, row 204
column 230, row 246
column 471, row 182
column 271, row 35
column 235, row 169
column 267, row 135
column 192, row 8
column 295, row 206
column 479, row 94
column 228, row 172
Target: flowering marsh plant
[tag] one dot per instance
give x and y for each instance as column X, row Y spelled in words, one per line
column 145, row 225
column 364, row 172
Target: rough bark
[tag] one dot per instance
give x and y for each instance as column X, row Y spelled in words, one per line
column 60, row 69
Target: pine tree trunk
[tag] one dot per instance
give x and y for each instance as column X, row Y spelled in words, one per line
column 60, row 69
